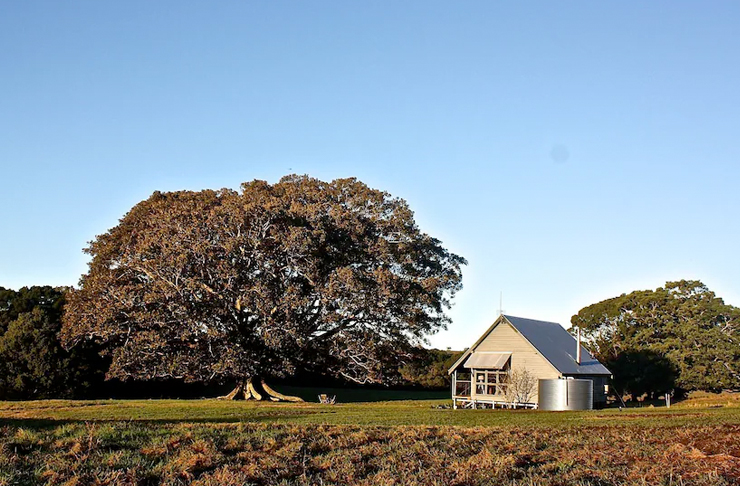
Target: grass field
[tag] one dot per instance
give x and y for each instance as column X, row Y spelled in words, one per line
column 211, row 442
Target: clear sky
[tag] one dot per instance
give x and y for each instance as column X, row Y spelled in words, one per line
column 571, row 151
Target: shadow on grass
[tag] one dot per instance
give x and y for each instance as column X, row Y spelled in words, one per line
column 364, row 395
column 38, row 423
column 174, row 389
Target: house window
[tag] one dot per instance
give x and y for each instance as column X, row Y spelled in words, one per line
column 492, row 382
column 481, row 383
column 462, row 384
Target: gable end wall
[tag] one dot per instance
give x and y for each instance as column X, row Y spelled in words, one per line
column 505, row 338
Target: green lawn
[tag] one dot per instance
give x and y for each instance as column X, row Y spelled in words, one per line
column 421, row 412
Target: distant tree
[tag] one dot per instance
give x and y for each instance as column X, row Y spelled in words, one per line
column 14, row 303
column 682, row 335
column 238, row 285
column 428, row 367
column 33, row 363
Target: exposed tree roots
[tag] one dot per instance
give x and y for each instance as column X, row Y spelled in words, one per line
column 252, row 389
column 273, row 394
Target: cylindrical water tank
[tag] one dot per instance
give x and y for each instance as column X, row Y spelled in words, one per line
column 565, row 394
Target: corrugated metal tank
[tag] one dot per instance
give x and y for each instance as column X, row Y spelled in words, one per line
column 565, row 394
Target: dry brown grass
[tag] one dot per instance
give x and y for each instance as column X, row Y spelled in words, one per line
column 711, row 400
column 154, row 442
column 264, row 454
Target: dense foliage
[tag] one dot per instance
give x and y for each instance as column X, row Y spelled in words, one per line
column 14, row 303
column 226, row 284
column 33, row 363
column 681, row 336
column 428, row 367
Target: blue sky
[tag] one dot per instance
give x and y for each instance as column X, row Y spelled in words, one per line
column 571, row 151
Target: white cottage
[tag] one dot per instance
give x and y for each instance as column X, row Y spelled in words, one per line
column 487, row 373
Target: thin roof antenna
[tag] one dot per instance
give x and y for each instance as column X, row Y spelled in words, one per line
column 501, row 304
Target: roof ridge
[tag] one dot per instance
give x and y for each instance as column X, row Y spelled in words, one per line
column 551, row 340
column 554, row 355
column 533, row 320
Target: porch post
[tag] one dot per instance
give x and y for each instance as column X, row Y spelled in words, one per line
column 454, row 389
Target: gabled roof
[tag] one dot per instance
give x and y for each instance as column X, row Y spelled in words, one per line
column 557, row 346
column 552, row 341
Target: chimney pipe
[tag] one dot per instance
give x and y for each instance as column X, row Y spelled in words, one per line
column 578, row 346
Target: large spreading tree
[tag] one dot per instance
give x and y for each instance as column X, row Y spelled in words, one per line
column 681, row 335
column 235, row 285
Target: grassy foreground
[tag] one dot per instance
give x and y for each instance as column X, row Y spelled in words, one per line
column 210, row 442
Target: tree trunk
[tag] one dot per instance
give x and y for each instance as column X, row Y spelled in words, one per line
column 235, row 394
column 255, row 388
column 251, row 391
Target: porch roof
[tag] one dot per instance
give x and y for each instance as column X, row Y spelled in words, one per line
column 484, row 360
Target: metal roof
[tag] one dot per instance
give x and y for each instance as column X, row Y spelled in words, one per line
column 552, row 341
column 557, row 346
column 487, row 360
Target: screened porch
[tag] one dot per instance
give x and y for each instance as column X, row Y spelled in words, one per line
column 483, row 381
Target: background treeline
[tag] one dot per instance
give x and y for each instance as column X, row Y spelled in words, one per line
column 427, row 368
column 34, row 365
column 679, row 338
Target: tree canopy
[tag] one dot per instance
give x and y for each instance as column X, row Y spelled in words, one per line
column 232, row 284
column 14, row 303
column 33, row 363
column 680, row 335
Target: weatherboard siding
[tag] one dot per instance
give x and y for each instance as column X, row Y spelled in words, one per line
column 504, row 338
